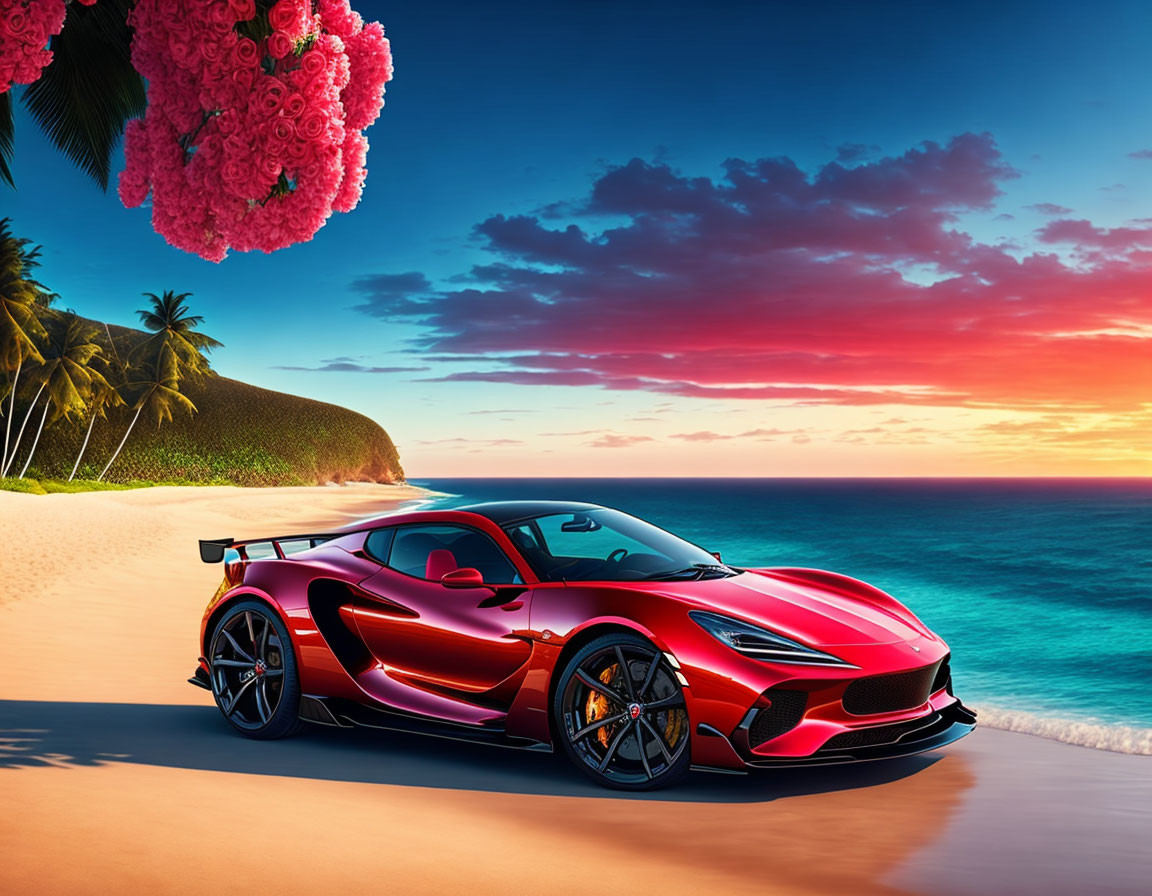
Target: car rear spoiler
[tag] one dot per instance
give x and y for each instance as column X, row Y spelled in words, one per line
column 212, row 549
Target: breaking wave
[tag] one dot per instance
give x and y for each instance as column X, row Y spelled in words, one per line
column 1115, row 738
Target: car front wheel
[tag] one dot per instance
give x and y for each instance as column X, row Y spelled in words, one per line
column 621, row 716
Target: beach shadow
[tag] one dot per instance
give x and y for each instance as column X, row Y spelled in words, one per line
column 38, row 733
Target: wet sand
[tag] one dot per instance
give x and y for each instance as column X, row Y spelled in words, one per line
column 116, row 775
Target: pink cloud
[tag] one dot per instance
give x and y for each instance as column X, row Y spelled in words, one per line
column 772, row 283
column 618, row 440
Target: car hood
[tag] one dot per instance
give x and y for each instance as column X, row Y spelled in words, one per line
column 808, row 613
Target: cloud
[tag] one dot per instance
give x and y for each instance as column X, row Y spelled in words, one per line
column 1084, row 234
column 1143, row 154
column 1049, row 208
column 618, row 440
column 833, row 286
column 855, row 152
column 701, row 436
column 764, row 435
column 462, row 442
column 396, row 289
column 347, row 365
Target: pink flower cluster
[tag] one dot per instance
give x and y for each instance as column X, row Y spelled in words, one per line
column 253, row 132
column 26, row 26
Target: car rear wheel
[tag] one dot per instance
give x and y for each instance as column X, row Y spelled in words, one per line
column 621, row 716
column 253, row 672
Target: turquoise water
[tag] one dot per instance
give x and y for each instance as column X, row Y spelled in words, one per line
column 1042, row 588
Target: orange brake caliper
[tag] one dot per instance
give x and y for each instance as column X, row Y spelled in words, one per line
column 598, row 706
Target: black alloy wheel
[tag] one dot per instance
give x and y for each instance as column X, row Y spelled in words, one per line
column 253, row 672
column 621, row 716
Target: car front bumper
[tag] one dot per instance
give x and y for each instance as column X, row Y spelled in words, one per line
column 933, row 731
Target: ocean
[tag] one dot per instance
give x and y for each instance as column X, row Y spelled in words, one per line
column 1042, row 588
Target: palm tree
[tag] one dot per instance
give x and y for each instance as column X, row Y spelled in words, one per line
column 87, row 94
column 66, row 373
column 159, row 393
column 176, row 351
column 102, row 395
column 22, row 301
column 174, row 332
column 8, row 459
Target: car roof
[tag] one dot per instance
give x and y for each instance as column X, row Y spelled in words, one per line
column 500, row 513
column 504, row 512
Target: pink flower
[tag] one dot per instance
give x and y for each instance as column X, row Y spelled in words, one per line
column 313, row 62
column 243, row 9
column 25, row 30
column 289, row 17
column 294, row 105
column 280, row 44
column 282, row 130
column 236, row 154
column 16, row 24
column 270, row 96
column 312, row 125
column 245, row 53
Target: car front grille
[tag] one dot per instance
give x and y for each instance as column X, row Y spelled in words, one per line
column 943, row 675
column 891, row 693
column 872, row 737
column 783, row 715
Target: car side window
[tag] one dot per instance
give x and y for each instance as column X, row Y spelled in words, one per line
column 378, row 543
column 428, row 552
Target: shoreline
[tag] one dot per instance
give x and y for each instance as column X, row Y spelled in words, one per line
column 103, row 742
column 1125, row 740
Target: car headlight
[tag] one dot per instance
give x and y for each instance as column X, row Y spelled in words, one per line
column 761, row 644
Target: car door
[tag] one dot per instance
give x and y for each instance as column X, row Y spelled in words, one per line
column 424, row 633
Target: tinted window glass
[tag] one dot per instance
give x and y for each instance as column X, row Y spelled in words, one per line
column 608, row 545
column 377, row 544
column 564, row 538
column 428, row 552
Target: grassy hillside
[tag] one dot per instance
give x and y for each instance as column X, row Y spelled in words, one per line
column 241, row 434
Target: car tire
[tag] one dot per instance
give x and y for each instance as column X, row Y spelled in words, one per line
column 253, row 672
column 642, row 741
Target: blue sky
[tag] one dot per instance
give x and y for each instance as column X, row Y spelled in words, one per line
column 505, row 108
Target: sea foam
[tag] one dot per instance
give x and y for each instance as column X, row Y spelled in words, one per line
column 1116, row 738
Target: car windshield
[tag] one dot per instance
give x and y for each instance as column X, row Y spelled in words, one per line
column 607, row 545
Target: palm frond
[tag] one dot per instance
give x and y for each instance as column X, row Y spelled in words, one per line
column 90, row 90
column 7, row 135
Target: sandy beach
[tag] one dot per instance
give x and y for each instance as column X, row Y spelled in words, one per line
column 118, row 776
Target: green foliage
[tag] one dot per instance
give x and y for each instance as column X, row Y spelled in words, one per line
column 21, row 301
column 7, row 138
column 175, row 343
column 241, row 435
column 28, row 486
column 63, row 486
column 84, row 98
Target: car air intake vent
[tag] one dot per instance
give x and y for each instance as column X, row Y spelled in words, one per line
column 943, row 676
column 890, row 693
column 783, row 715
column 873, row 737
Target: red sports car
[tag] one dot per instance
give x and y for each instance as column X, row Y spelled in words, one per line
column 533, row 624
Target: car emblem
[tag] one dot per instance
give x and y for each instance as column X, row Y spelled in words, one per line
column 634, row 710
column 914, row 647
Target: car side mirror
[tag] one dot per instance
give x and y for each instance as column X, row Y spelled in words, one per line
column 716, row 554
column 463, row 578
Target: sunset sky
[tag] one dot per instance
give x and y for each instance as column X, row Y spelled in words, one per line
column 705, row 239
